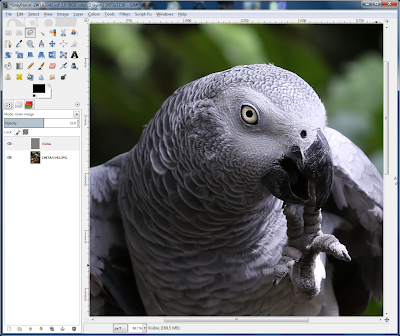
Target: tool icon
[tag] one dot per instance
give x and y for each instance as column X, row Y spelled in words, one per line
column 30, row 32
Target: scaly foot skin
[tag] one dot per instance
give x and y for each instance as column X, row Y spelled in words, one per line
column 305, row 242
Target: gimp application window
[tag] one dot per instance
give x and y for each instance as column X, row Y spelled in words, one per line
column 199, row 167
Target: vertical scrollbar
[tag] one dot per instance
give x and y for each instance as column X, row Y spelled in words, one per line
column 386, row 118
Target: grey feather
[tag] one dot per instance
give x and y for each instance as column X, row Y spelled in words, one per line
column 357, row 193
column 110, row 266
column 357, row 182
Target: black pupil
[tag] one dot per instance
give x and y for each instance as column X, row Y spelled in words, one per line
column 303, row 134
column 249, row 113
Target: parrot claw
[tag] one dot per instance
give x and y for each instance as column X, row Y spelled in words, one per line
column 276, row 281
column 330, row 244
column 290, row 256
column 305, row 242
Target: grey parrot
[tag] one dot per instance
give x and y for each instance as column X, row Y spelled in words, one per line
column 237, row 200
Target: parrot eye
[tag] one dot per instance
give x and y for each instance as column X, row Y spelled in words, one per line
column 249, row 115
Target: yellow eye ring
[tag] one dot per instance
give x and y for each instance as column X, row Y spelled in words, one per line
column 249, row 115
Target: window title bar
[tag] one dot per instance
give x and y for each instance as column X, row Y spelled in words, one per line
column 201, row 5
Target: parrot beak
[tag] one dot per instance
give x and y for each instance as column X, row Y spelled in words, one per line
column 289, row 179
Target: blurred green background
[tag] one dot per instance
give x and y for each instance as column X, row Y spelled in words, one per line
column 134, row 68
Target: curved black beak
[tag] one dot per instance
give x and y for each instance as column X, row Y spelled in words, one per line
column 289, row 179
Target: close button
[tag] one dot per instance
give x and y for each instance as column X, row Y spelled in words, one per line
column 389, row 4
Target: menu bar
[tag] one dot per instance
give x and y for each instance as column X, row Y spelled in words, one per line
column 189, row 14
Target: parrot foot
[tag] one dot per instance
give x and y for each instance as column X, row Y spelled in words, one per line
column 305, row 242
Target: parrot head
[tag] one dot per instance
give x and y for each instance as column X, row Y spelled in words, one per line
column 264, row 125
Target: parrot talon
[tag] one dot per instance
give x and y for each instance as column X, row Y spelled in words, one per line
column 305, row 242
column 346, row 257
column 276, row 281
column 290, row 256
column 330, row 244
